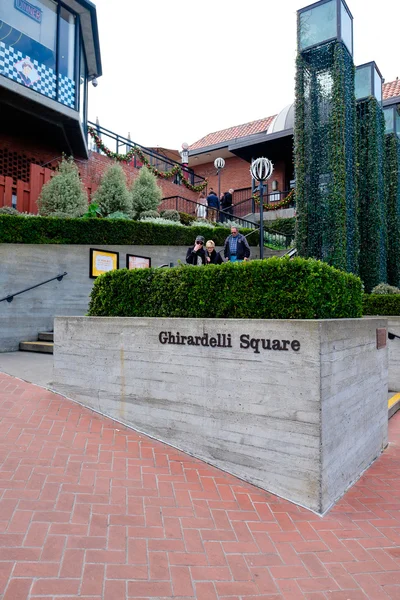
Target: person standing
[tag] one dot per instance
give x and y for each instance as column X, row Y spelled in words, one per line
column 201, row 210
column 226, row 205
column 212, row 256
column 196, row 254
column 236, row 247
column 213, row 205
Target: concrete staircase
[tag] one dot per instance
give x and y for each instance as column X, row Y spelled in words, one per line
column 44, row 343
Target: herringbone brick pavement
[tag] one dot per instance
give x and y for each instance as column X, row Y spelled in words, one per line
column 90, row 509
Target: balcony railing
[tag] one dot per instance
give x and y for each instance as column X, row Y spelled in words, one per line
column 120, row 144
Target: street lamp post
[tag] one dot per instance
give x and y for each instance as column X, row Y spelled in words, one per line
column 185, row 159
column 219, row 164
column 261, row 170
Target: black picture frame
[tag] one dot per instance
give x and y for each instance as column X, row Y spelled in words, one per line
column 92, row 270
column 128, row 256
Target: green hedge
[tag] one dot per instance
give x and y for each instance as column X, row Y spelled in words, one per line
column 49, row 230
column 271, row 289
column 381, row 304
column 282, row 226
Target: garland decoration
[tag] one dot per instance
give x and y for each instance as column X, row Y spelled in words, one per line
column 285, row 203
column 138, row 152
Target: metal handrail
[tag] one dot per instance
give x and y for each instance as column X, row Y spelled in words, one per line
column 247, row 224
column 123, row 141
column 10, row 297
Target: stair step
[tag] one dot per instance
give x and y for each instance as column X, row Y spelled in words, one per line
column 38, row 346
column 46, row 336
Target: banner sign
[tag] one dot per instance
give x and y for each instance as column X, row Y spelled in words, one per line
column 34, row 12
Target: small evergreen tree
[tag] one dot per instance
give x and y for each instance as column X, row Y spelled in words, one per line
column 64, row 193
column 113, row 195
column 146, row 195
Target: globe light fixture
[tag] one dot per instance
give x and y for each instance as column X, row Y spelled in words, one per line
column 219, row 164
column 185, row 153
column 261, row 170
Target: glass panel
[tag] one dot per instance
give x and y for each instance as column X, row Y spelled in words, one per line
column 389, row 119
column 397, row 121
column 347, row 37
column 363, row 83
column 66, row 49
column 28, row 43
column 66, row 58
column 318, row 24
column 378, row 86
column 83, row 88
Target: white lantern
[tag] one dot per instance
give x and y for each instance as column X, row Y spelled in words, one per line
column 219, row 163
column 261, row 169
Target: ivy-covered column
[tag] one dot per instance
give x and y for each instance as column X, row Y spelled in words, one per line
column 392, row 202
column 372, row 213
column 325, row 156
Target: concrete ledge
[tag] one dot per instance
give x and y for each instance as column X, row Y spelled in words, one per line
column 393, row 405
column 298, row 408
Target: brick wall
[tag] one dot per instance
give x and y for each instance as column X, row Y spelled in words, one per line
column 92, row 170
column 17, row 154
column 236, row 174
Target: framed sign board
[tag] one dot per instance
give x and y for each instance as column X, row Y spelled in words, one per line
column 102, row 261
column 137, row 262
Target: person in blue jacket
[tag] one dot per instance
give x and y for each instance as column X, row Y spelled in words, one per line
column 213, row 205
column 236, row 247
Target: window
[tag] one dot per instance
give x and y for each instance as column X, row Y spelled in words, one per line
column 363, row 84
column 317, row 25
column 66, row 48
column 31, row 29
column 83, row 88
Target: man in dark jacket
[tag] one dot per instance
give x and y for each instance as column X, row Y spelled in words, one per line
column 213, row 205
column 236, row 247
column 196, row 255
column 226, row 206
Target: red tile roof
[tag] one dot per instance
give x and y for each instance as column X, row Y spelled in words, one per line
column 231, row 133
column 390, row 90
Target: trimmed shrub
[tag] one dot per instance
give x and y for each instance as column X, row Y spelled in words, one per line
column 270, row 289
column 204, row 223
column 145, row 193
column 24, row 229
column 385, row 288
column 161, row 221
column 171, row 214
column 8, row 210
column 186, row 219
column 113, row 195
column 118, row 215
column 381, row 304
column 64, row 193
column 282, row 226
column 150, row 214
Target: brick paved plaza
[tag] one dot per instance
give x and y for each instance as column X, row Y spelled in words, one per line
column 93, row 510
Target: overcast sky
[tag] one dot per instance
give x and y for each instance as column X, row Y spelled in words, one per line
column 175, row 71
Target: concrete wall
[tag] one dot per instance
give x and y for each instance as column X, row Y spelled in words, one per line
column 303, row 422
column 394, row 355
column 23, row 265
